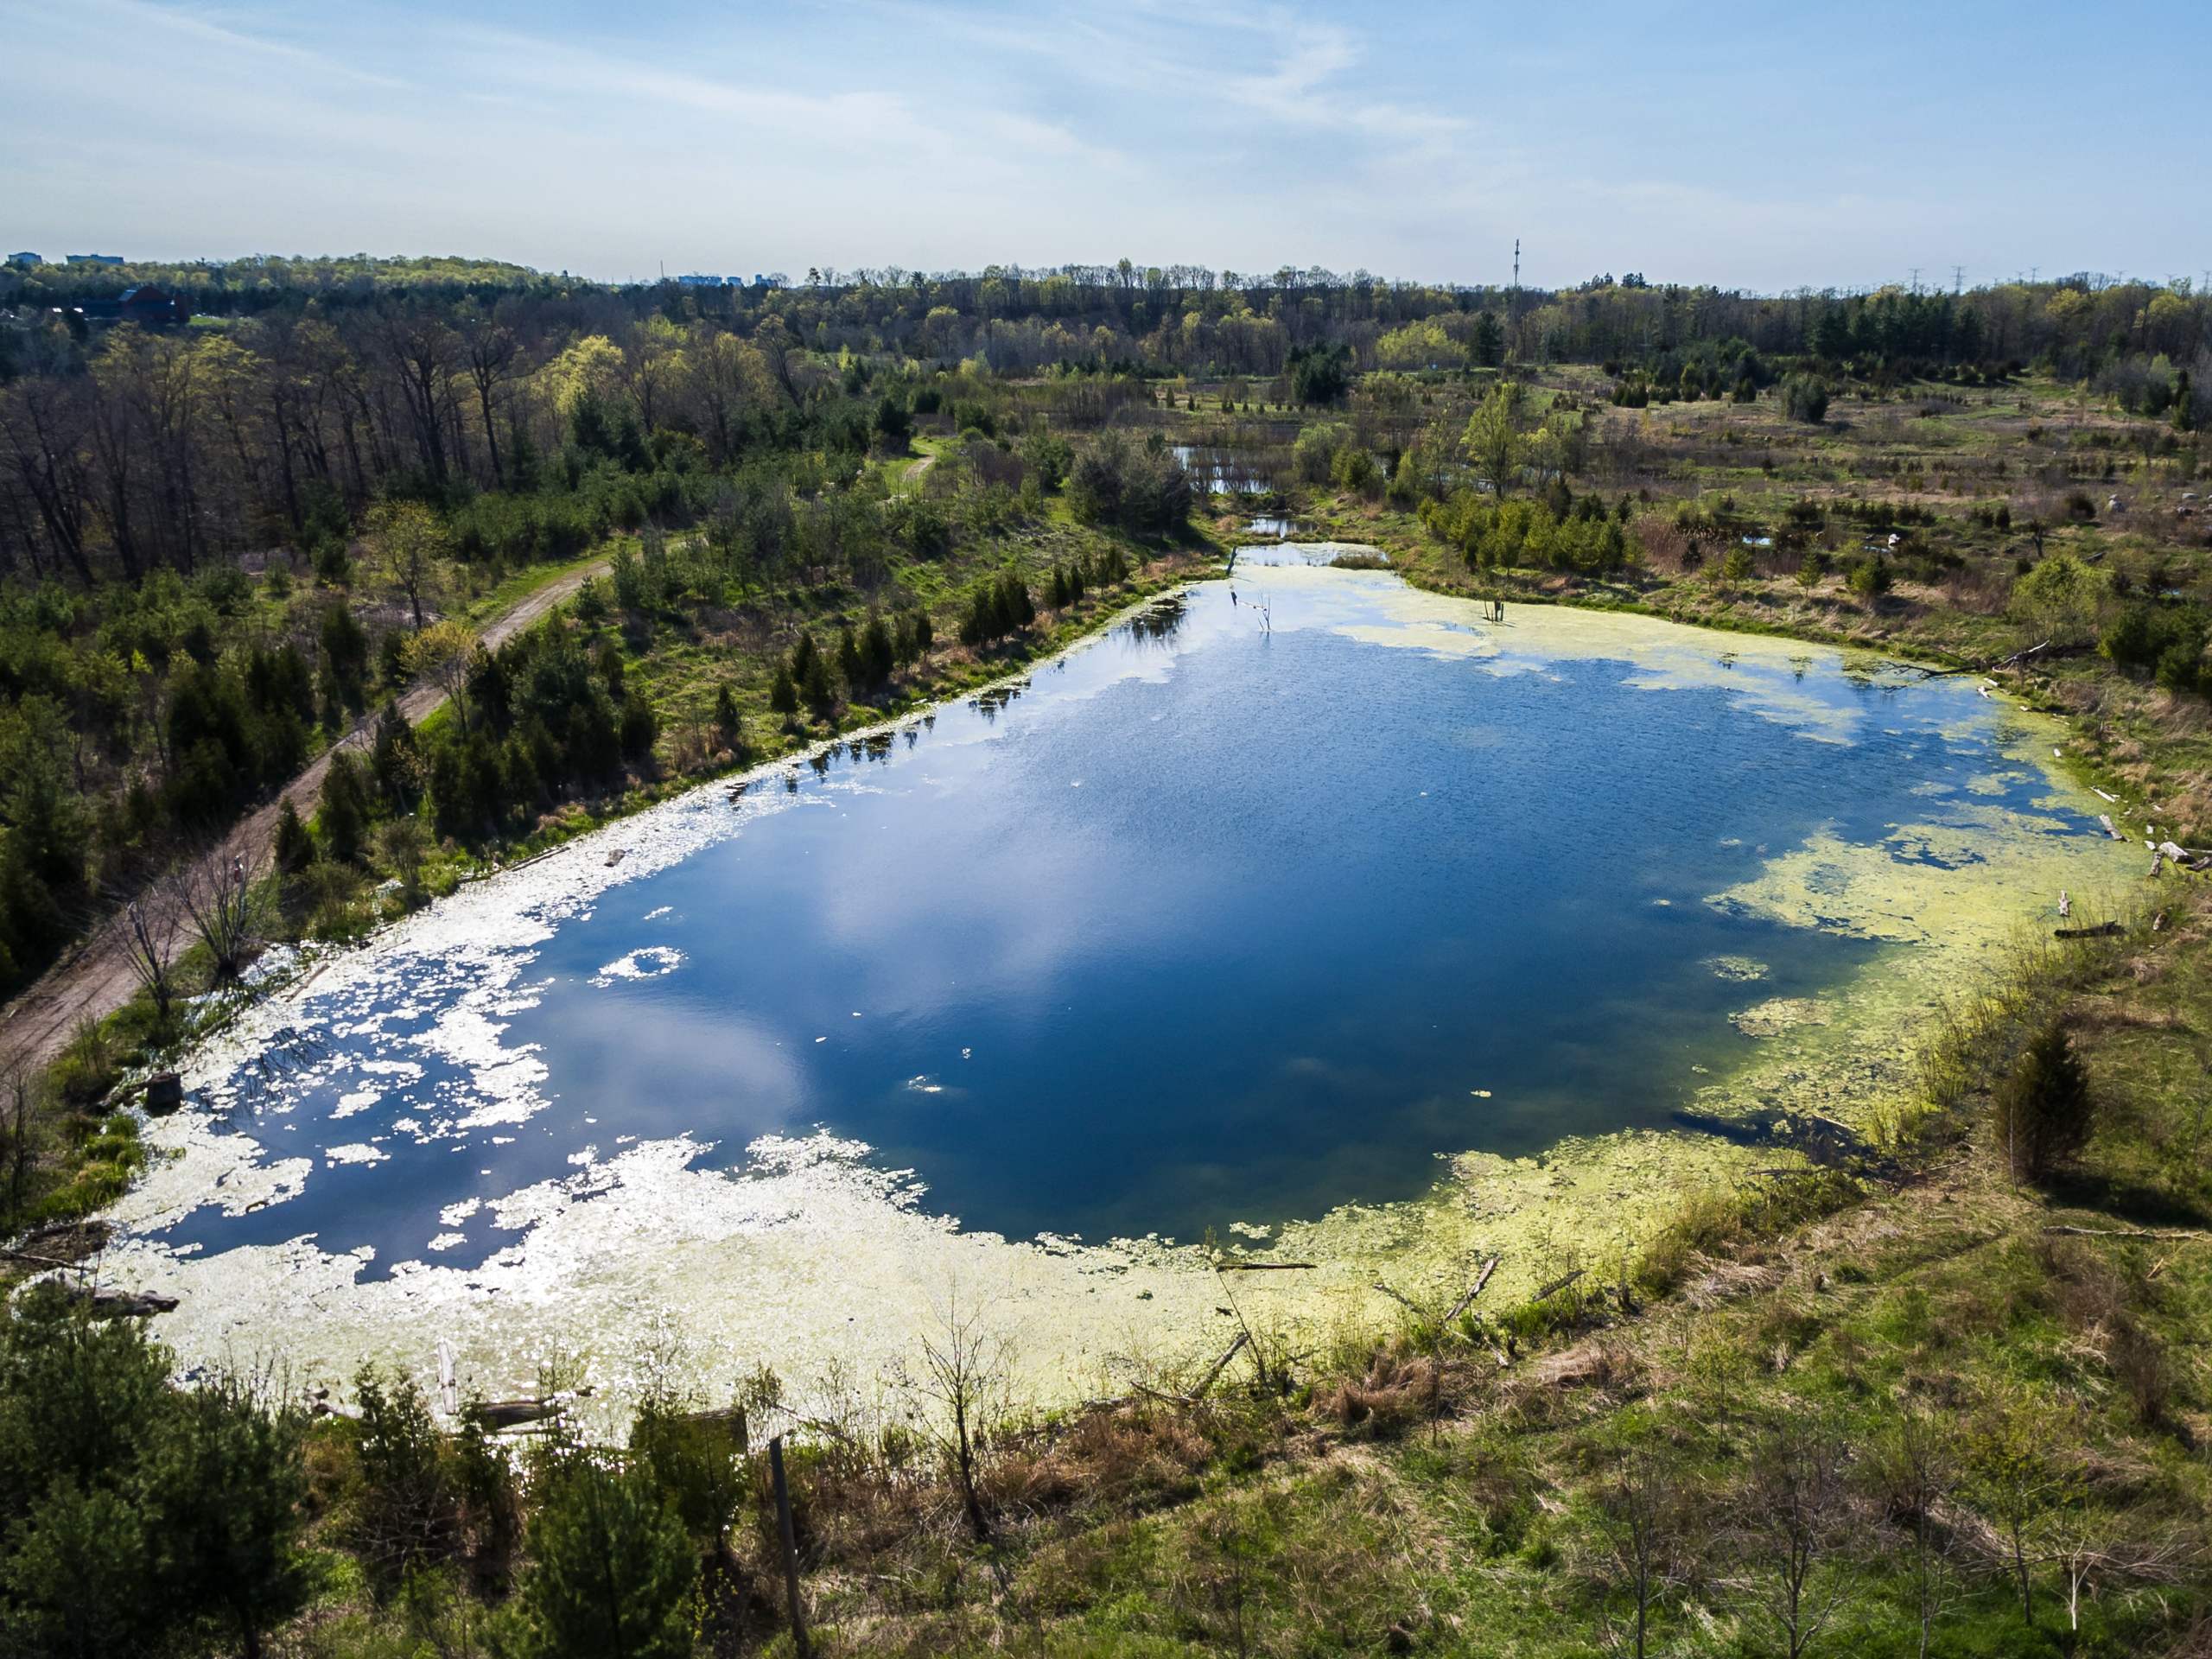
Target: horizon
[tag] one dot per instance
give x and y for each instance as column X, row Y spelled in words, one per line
column 1412, row 143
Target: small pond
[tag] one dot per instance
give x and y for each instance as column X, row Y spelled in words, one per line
column 1254, row 908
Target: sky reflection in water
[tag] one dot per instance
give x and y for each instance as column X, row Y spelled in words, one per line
column 1237, row 919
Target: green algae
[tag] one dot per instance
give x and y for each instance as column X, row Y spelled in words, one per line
column 826, row 1269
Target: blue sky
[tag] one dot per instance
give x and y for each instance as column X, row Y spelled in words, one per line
column 1763, row 146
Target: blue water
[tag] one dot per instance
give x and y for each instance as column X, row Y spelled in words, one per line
column 1225, row 917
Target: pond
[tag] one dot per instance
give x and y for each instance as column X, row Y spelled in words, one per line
column 1222, row 472
column 1243, row 915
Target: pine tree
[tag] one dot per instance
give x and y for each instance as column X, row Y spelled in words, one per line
column 877, row 656
column 2043, row 1110
column 295, row 848
column 819, row 690
column 344, row 813
column 782, row 693
column 611, row 1569
column 728, row 725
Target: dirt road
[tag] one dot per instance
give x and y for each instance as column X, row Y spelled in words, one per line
column 94, row 978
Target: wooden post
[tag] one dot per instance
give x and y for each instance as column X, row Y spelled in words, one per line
column 790, row 1546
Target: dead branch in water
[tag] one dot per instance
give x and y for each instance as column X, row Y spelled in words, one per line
column 1481, row 1280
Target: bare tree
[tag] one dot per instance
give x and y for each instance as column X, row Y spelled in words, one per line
column 1789, row 1515
column 1641, row 1518
column 153, row 928
column 2091, row 1546
column 18, row 1122
column 964, row 1365
column 1914, row 1474
column 216, row 895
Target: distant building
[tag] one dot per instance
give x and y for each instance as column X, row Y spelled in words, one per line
column 24, row 259
column 94, row 258
column 146, row 305
column 698, row 279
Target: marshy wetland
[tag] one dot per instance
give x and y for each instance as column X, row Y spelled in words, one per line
column 1302, row 915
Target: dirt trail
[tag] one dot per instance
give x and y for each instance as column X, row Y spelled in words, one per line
column 94, row 978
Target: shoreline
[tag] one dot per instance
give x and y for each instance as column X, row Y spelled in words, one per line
column 1622, row 1186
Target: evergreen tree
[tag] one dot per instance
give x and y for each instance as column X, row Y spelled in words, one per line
column 2043, row 1108
column 783, row 692
column 611, row 1572
column 295, row 847
column 849, row 666
column 877, row 656
column 640, row 726
column 730, row 725
column 344, row 814
column 226, row 1481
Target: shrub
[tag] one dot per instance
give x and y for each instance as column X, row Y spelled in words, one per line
column 1805, row 397
column 1870, row 578
column 2043, row 1112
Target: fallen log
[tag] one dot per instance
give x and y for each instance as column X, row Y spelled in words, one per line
column 121, row 1304
column 2175, row 1235
column 513, row 1413
column 1481, row 1280
column 1263, row 1267
column 1219, row 1366
column 1557, row 1285
column 2103, row 930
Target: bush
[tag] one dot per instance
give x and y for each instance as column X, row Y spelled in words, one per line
column 1140, row 487
column 996, row 609
column 1870, row 578
column 1805, row 397
column 611, row 1569
column 2041, row 1111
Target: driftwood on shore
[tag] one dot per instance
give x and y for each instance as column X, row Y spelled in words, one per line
column 120, row 1304
column 1481, row 1281
column 1213, row 1375
column 2103, row 930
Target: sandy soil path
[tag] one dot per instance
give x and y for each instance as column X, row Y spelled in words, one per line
column 94, row 978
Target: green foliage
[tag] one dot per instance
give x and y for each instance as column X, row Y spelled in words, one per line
column 2162, row 638
column 1047, row 457
column 1493, row 535
column 2059, row 598
column 1314, row 455
column 135, row 1516
column 1870, row 577
column 996, row 608
column 1137, row 486
column 2041, row 1111
column 344, row 812
column 1320, row 374
column 611, row 1573
column 403, row 1510
column 1805, row 397
column 294, row 848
